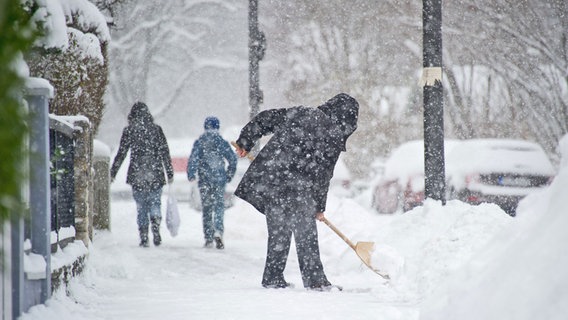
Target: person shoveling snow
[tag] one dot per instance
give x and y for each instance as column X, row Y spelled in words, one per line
column 289, row 179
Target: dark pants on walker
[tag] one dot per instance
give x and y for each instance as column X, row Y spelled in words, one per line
column 213, row 207
column 148, row 205
column 284, row 218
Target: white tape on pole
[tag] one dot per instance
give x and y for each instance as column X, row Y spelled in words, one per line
column 430, row 75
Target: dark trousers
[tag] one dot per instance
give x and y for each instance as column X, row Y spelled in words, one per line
column 148, row 205
column 213, row 207
column 284, row 219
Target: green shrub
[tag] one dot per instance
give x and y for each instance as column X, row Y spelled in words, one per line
column 16, row 38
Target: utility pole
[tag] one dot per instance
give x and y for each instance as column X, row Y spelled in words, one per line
column 434, row 163
column 257, row 46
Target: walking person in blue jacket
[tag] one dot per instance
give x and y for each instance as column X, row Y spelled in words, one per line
column 208, row 160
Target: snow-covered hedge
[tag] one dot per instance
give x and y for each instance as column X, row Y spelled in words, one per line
column 71, row 54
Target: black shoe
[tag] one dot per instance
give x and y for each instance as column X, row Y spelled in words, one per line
column 157, row 239
column 156, row 231
column 323, row 286
column 331, row 287
column 219, row 243
column 144, row 243
column 208, row 244
column 143, row 237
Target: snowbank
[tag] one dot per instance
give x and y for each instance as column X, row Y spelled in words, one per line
column 522, row 273
column 436, row 240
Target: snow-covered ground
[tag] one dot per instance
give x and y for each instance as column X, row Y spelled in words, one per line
column 446, row 262
column 181, row 280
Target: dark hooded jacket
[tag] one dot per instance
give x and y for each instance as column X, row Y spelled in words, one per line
column 149, row 152
column 300, row 156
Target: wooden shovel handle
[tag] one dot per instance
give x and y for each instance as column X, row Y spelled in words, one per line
column 339, row 233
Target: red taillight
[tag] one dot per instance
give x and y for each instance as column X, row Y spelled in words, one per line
column 472, row 199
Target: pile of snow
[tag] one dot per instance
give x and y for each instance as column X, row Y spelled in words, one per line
column 419, row 249
column 523, row 273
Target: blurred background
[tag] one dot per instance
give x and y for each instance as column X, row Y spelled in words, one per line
column 505, row 67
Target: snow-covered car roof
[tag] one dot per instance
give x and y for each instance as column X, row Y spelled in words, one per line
column 407, row 159
column 498, row 155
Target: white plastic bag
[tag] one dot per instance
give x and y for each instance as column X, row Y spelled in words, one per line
column 172, row 215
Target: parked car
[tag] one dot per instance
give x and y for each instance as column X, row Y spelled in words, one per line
column 401, row 186
column 497, row 171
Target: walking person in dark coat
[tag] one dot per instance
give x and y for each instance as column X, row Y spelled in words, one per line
column 149, row 157
column 289, row 180
column 207, row 161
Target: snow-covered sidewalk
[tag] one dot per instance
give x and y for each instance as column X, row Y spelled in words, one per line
column 183, row 280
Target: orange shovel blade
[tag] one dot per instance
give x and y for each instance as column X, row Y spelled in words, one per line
column 364, row 250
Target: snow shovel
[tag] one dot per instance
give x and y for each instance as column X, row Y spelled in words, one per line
column 363, row 249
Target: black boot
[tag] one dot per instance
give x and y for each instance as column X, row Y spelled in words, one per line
column 144, row 237
column 219, row 243
column 156, row 231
